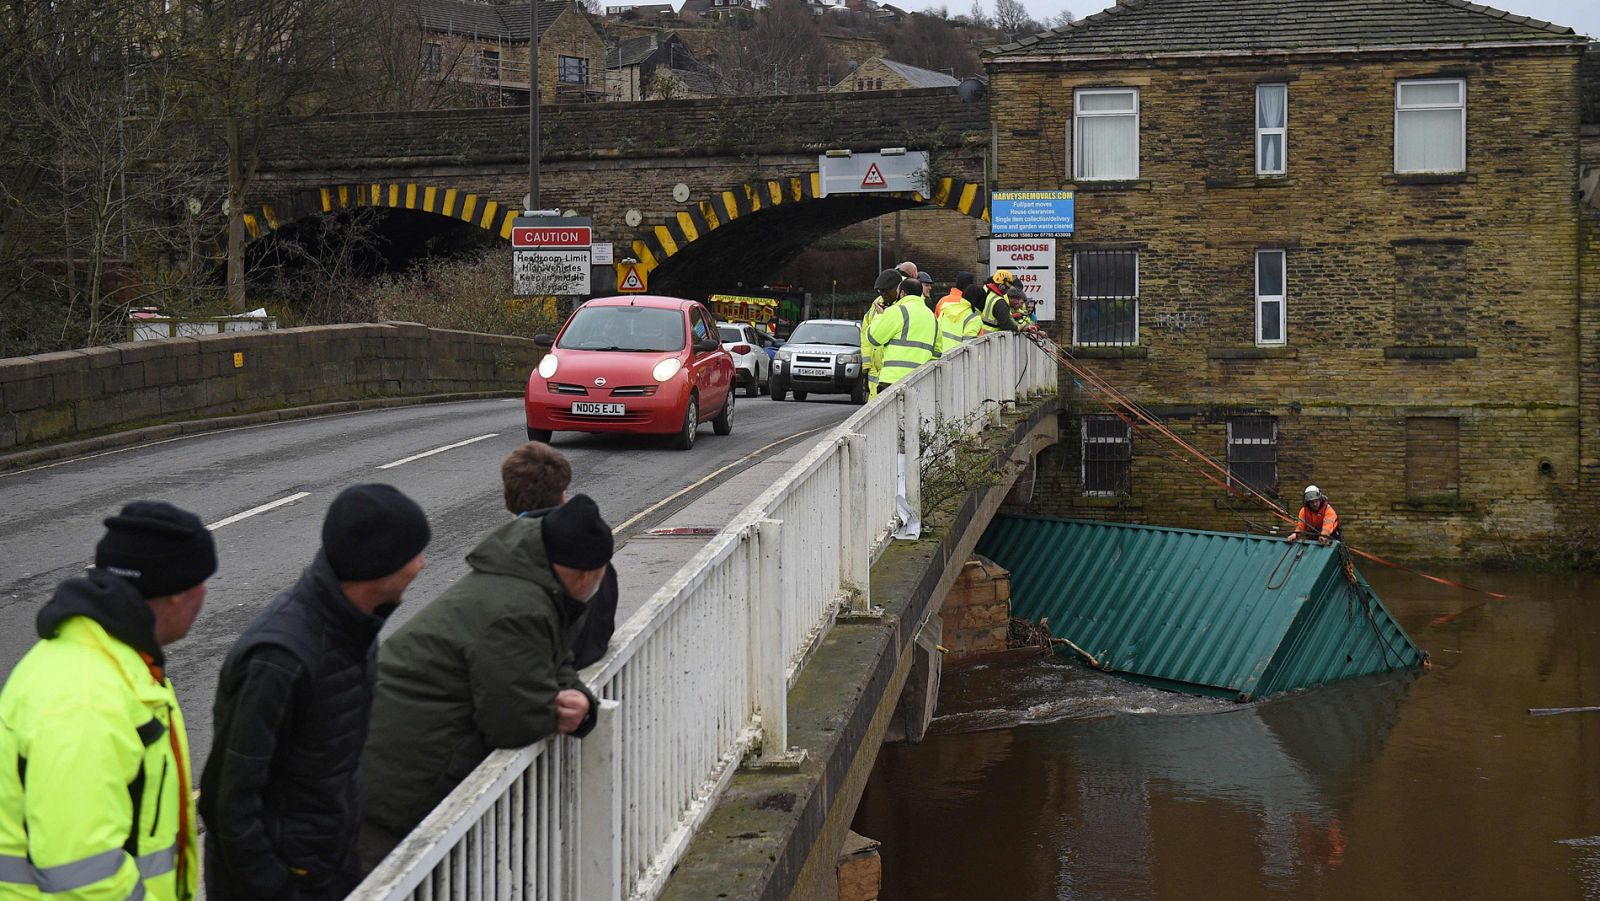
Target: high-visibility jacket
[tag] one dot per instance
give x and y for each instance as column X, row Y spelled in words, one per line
column 958, row 321
column 907, row 336
column 1322, row 523
column 996, row 312
column 94, row 775
column 871, row 356
column 955, row 296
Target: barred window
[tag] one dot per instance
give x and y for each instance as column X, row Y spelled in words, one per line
column 1105, row 297
column 1107, row 456
column 1253, row 453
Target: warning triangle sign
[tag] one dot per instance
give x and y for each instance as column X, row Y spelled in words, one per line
column 874, row 178
column 631, row 280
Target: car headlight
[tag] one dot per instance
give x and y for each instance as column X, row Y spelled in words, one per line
column 547, row 366
column 852, row 358
column 667, row 368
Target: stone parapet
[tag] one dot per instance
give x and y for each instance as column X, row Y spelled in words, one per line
column 57, row 397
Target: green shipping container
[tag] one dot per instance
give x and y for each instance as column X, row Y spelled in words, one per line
column 1212, row 613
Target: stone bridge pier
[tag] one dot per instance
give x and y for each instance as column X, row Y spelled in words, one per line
column 749, row 164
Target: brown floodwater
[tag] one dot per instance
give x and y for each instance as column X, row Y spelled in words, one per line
column 1048, row 780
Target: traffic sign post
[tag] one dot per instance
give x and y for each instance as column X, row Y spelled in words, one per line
column 631, row 279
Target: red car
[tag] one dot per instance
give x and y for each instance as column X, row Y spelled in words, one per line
column 642, row 364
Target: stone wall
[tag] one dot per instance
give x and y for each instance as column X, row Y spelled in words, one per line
column 977, row 612
column 73, row 394
column 1409, row 297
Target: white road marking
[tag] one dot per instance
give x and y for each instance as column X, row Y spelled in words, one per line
column 677, row 494
column 254, row 510
column 438, row 450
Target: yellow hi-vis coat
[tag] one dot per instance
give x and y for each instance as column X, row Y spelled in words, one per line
column 994, row 306
column 94, row 775
column 958, row 322
column 872, row 357
column 907, row 335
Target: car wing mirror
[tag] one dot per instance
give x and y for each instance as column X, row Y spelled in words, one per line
column 544, row 341
column 706, row 345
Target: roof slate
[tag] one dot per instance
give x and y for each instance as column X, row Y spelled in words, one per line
column 1176, row 26
column 631, row 51
column 465, row 17
column 921, row 78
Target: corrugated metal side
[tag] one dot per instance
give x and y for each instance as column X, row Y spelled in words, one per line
column 1191, row 607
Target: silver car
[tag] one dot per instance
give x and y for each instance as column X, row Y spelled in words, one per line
column 823, row 356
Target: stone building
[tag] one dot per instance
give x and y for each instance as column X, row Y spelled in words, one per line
column 655, row 66
column 1331, row 242
column 485, row 47
column 879, row 74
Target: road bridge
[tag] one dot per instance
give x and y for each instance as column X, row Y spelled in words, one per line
column 750, row 165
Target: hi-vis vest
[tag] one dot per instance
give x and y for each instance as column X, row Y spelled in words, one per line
column 991, row 315
column 869, row 353
column 908, row 335
column 958, row 322
column 94, row 775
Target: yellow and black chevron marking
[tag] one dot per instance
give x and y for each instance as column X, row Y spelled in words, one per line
column 489, row 215
column 670, row 237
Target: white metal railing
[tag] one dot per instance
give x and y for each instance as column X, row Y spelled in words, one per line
column 699, row 676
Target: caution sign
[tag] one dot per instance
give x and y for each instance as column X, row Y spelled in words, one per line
column 874, row 178
column 630, row 278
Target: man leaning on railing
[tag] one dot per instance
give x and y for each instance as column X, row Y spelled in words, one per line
column 487, row 665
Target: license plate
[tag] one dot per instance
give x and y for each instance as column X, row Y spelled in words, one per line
column 587, row 408
column 812, row 373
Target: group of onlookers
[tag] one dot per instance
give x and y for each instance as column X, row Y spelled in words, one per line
column 328, row 748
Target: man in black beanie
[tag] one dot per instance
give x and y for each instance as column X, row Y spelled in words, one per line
column 487, row 665
column 281, row 790
column 89, row 711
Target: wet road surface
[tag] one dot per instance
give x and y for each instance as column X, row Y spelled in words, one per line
column 50, row 516
column 1048, row 780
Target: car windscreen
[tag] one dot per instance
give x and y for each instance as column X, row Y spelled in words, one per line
column 847, row 334
column 730, row 334
column 645, row 329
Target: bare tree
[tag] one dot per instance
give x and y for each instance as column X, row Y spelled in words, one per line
column 978, row 16
column 932, row 43
column 1011, row 17
column 1061, row 19
column 780, row 51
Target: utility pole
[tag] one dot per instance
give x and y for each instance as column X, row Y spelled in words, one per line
column 533, row 105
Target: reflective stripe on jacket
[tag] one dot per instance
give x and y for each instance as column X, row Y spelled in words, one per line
column 871, row 356
column 955, row 296
column 907, row 336
column 959, row 321
column 94, row 775
column 994, row 307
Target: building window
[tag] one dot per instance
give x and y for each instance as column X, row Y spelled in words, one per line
column 1253, row 454
column 1433, row 457
column 432, row 57
column 858, row 85
column 1107, row 456
column 1105, row 287
column 1430, row 126
column 1270, row 297
column 489, row 63
column 1272, row 129
column 1105, row 128
column 574, row 70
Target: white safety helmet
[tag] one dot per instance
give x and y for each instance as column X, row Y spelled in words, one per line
column 1313, row 493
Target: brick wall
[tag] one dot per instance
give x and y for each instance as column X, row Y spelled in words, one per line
column 72, row 394
column 977, row 612
column 941, row 241
column 1449, row 297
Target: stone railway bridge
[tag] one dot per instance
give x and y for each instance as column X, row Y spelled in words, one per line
column 750, row 164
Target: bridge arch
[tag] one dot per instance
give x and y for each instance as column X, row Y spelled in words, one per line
column 474, row 209
column 695, row 223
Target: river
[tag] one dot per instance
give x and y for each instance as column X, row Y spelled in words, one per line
column 1045, row 779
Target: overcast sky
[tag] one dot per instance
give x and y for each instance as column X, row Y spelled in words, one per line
column 1582, row 16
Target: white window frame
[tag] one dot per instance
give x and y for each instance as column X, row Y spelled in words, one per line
column 1398, row 110
column 1083, row 454
column 1262, row 133
column 1077, row 130
column 1282, row 300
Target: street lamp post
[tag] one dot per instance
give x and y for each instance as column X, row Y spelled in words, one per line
column 533, row 105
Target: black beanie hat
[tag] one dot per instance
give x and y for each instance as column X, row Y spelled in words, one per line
column 372, row 531
column 161, row 549
column 964, row 280
column 887, row 279
column 576, row 536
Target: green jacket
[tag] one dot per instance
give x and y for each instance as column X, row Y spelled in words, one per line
column 477, row 669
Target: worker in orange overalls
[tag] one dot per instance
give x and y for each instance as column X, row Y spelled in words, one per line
column 1317, row 518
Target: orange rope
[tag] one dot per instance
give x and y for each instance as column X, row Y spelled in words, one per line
column 1150, row 424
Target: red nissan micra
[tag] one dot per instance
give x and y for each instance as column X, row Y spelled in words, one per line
column 645, row 365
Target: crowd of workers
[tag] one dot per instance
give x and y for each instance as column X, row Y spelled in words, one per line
column 96, row 793
column 905, row 326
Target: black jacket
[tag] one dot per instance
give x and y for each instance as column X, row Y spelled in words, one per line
column 595, row 623
column 280, row 794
